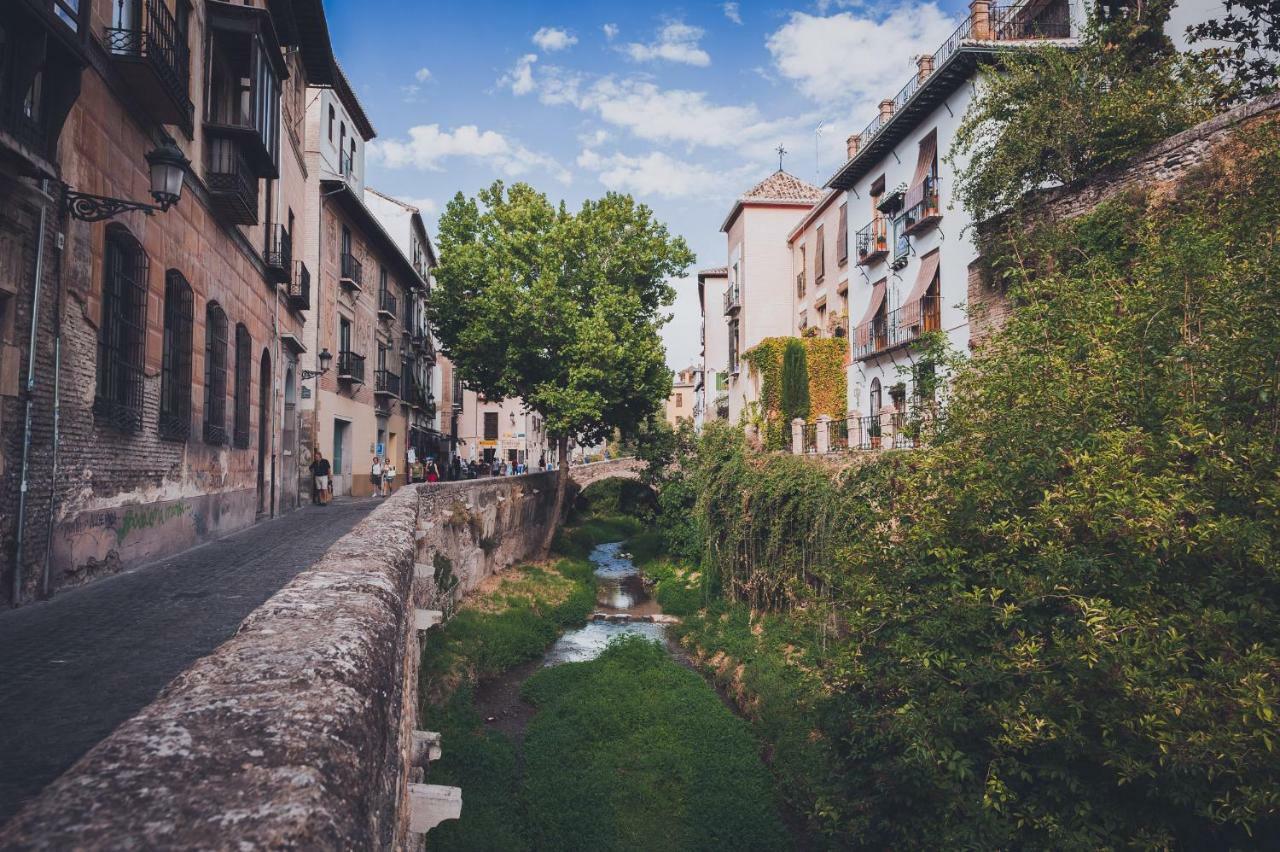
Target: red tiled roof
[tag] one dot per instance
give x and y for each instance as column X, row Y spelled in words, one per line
column 783, row 187
column 714, row 272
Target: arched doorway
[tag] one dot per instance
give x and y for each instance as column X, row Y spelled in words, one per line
column 289, row 441
column 264, row 431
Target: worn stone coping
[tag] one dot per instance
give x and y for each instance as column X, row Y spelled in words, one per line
column 284, row 737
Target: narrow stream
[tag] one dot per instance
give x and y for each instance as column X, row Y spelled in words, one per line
column 623, row 606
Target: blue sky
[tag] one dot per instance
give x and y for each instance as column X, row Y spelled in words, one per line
column 680, row 105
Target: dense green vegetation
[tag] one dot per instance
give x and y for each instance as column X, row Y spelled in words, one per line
column 1058, row 626
column 632, row 751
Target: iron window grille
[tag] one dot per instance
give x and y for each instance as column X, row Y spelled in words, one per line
column 215, row 375
column 244, row 367
column 122, row 332
column 175, row 369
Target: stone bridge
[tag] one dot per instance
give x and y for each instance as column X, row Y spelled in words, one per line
column 301, row 730
column 625, row 468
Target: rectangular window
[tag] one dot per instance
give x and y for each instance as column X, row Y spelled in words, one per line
column 175, row 369
column 842, row 236
column 733, row 346
column 679, row 400
column 344, row 334
column 244, row 372
column 215, row 375
column 491, row 425
column 820, row 257
column 122, row 332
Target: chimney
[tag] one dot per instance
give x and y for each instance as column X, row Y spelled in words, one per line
column 980, row 19
column 851, row 145
column 924, row 65
column 886, row 109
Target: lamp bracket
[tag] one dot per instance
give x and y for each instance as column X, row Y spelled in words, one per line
column 96, row 208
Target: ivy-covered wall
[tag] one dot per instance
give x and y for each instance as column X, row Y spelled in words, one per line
column 828, row 389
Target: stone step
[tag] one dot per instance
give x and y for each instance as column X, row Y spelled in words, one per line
column 432, row 804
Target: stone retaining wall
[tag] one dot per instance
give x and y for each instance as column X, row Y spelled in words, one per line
column 298, row 731
column 1158, row 170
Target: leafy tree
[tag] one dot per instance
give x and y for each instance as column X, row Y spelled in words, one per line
column 561, row 309
column 795, row 383
column 1249, row 61
column 1055, row 115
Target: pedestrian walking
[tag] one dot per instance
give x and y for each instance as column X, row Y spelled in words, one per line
column 433, row 472
column 375, row 475
column 388, row 476
column 320, row 473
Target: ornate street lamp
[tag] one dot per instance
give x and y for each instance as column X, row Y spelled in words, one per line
column 168, row 172
column 325, row 357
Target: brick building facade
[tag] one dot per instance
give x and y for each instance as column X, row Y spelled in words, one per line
column 169, row 340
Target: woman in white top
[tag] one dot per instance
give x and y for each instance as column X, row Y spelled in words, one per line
column 375, row 474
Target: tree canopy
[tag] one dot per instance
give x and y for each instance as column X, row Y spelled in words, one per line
column 559, row 308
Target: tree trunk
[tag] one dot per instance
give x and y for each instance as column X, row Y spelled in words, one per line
column 562, row 486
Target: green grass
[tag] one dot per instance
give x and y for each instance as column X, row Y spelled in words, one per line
column 632, row 751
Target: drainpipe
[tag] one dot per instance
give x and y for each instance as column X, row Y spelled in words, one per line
column 275, row 368
column 26, row 428
column 57, row 422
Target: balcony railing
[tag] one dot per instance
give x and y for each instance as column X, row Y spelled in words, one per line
column 800, row 283
column 923, row 209
column 346, row 164
column 896, row 328
column 352, row 272
column 873, row 241
column 155, row 61
column 386, row 382
column 1013, row 23
column 386, row 305
column 279, row 254
column 233, row 185
column 350, row 367
column 732, row 299
column 300, row 287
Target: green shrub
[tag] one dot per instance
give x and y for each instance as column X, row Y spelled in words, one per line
column 633, row 751
column 616, row 496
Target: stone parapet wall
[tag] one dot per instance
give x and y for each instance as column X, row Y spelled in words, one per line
column 1158, row 170
column 298, row 731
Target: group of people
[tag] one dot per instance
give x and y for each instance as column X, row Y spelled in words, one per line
column 382, row 472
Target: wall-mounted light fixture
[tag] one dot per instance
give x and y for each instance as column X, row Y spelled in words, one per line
column 168, row 168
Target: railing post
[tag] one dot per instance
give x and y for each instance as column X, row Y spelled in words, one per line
column 797, row 436
column 924, row 66
column 823, row 435
column 980, row 19
column 886, row 108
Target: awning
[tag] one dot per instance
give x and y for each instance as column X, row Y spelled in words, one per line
column 924, row 168
column 877, row 299
column 910, row 313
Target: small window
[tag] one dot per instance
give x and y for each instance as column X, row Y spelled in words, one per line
column 332, row 117
column 351, row 163
column 215, row 375
column 244, row 374
column 820, row 256
column 842, row 236
column 342, row 147
column 491, row 425
column 679, row 400
column 175, row 368
column 122, row 331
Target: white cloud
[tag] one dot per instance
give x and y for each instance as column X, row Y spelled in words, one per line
column 520, row 78
column 411, row 92
column 654, row 173
column 610, row 31
column 551, row 39
column 427, row 146
column 677, row 42
column 422, row 75
column 733, row 13
column 856, row 59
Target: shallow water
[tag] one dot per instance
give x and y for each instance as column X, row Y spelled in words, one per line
column 620, row 590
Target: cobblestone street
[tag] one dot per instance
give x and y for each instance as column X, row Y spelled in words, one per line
column 76, row 666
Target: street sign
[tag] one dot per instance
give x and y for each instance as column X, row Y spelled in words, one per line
column 379, row 449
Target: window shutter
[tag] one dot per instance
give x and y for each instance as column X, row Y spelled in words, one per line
column 842, row 236
column 820, row 257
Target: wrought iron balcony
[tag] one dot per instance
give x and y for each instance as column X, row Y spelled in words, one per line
column 350, row 367
column 873, row 241
column 279, row 254
column 300, row 287
column 233, row 186
column 732, row 300
column 351, row 273
column 896, row 328
column 386, row 383
column 923, row 209
column 386, row 305
column 154, row 60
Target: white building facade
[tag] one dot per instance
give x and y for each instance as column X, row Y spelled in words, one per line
column 712, row 389
column 910, row 245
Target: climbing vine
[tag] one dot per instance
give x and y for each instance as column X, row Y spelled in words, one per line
column 828, row 391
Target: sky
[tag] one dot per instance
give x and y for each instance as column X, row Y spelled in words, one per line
column 681, row 105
